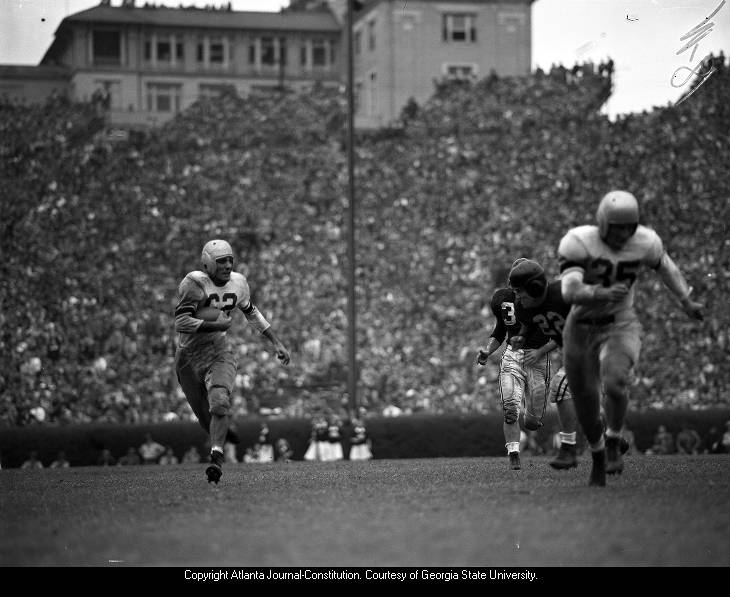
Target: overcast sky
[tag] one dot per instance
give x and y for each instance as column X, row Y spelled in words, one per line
column 642, row 36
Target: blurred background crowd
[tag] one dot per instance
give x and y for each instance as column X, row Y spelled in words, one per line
column 96, row 234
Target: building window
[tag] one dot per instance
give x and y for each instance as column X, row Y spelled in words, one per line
column 107, row 47
column 252, row 53
column 268, row 51
column 303, row 54
column 217, row 51
column 459, row 28
column 200, row 54
column 357, row 41
column 163, row 97
column 319, row 52
column 371, row 35
column 164, row 51
column 464, row 72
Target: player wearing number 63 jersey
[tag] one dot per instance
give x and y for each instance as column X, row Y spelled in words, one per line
column 602, row 334
column 523, row 372
column 205, row 362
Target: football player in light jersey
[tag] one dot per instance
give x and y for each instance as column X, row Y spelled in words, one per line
column 540, row 305
column 205, row 362
column 523, row 372
column 602, row 335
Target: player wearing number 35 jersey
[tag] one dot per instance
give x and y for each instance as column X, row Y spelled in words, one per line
column 523, row 372
column 205, row 361
column 602, row 334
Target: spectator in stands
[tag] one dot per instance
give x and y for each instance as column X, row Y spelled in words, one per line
column 150, row 450
column 663, row 442
column 61, row 461
column 688, row 441
column 32, row 462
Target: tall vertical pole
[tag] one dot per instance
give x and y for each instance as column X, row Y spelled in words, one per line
column 352, row 369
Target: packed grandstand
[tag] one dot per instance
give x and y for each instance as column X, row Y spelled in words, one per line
column 96, row 235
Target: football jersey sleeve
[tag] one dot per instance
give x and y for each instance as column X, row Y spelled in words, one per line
column 572, row 253
column 190, row 295
column 655, row 250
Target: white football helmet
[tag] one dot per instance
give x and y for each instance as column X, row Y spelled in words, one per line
column 214, row 249
column 617, row 207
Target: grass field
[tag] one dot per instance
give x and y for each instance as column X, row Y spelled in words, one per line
column 663, row 511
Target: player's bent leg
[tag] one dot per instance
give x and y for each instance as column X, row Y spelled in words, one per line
column 195, row 392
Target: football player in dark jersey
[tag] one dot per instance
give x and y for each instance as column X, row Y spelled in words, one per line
column 523, row 372
column 540, row 305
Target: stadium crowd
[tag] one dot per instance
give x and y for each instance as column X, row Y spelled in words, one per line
column 96, row 234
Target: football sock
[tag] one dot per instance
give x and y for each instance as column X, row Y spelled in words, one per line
column 568, row 438
column 512, row 447
column 611, row 433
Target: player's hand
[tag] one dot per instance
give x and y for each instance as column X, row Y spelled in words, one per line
column 482, row 357
column 517, row 342
column 282, row 353
column 531, row 356
column 224, row 321
column 612, row 294
column 693, row 309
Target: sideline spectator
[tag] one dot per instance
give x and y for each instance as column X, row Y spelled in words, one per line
column 192, row 456
column 688, row 441
column 106, row 458
column 131, row 458
column 168, row 457
column 663, row 442
column 32, row 462
column 61, row 461
column 150, row 450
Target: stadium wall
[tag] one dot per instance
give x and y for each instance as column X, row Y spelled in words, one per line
column 415, row 436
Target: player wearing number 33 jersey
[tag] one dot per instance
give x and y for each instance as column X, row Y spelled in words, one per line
column 602, row 336
column 523, row 373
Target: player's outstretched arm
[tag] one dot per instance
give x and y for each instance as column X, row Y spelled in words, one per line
column 673, row 279
column 281, row 352
column 492, row 345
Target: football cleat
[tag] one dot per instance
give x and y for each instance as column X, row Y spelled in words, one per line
column 623, row 445
column 614, row 460
column 514, row 461
column 598, row 471
column 566, row 457
column 214, row 470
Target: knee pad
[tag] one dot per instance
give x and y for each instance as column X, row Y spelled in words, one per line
column 219, row 401
column 559, row 389
column 511, row 414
